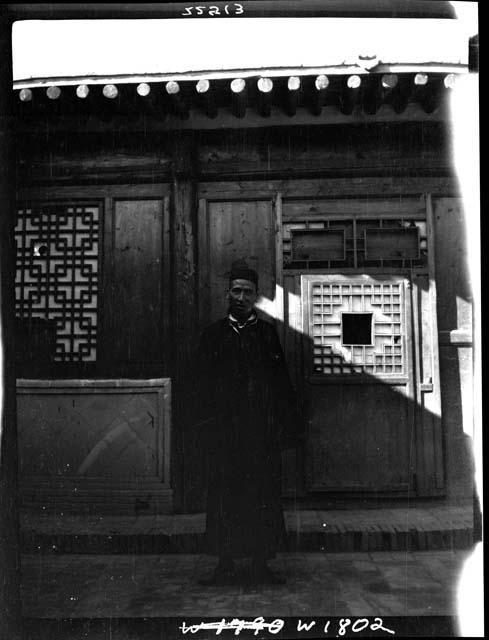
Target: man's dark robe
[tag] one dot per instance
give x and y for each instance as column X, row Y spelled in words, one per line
column 248, row 397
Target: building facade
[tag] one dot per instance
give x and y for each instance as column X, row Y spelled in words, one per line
column 133, row 199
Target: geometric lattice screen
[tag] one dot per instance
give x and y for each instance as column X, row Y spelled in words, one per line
column 57, row 274
column 379, row 308
column 354, row 243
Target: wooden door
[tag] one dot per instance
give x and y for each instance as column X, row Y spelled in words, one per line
column 361, row 338
column 359, row 372
column 231, row 230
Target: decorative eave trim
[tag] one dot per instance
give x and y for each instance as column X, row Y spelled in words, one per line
column 229, row 74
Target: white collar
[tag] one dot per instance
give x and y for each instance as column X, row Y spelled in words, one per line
column 236, row 324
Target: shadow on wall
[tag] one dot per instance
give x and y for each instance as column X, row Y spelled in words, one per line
column 366, row 438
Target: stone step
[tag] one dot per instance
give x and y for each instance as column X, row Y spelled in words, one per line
column 440, row 528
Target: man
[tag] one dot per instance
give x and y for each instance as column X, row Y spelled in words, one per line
column 250, row 404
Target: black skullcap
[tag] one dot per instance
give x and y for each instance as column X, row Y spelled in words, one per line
column 241, row 271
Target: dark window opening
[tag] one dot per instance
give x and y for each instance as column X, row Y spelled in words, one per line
column 322, row 245
column 356, row 328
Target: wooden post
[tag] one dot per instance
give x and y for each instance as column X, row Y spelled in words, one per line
column 238, row 87
column 185, row 304
column 206, row 95
column 10, row 606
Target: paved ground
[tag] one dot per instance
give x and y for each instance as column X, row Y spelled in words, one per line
column 318, row 584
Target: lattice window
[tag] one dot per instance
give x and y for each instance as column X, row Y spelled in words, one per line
column 355, row 243
column 312, row 243
column 371, row 343
column 391, row 243
column 57, row 274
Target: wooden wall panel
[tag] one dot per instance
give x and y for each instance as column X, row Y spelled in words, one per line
column 387, row 148
column 240, row 230
column 354, row 442
column 83, row 158
column 136, row 309
column 84, row 444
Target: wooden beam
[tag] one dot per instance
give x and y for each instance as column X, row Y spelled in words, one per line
column 86, row 102
column 399, row 96
column 22, row 106
column 70, row 103
column 10, row 604
column 329, row 187
column 35, row 103
column 199, row 121
column 239, row 97
column 206, row 98
column 432, row 100
column 293, row 91
column 177, row 104
column 260, row 8
column 321, row 84
column 265, row 87
column 108, row 101
column 143, row 89
column 372, row 95
column 428, row 91
column 146, row 101
column 85, row 99
column 419, row 88
column 110, row 91
column 390, row 83
column 350, row 94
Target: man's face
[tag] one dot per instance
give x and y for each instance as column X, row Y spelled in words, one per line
column 242, row 297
